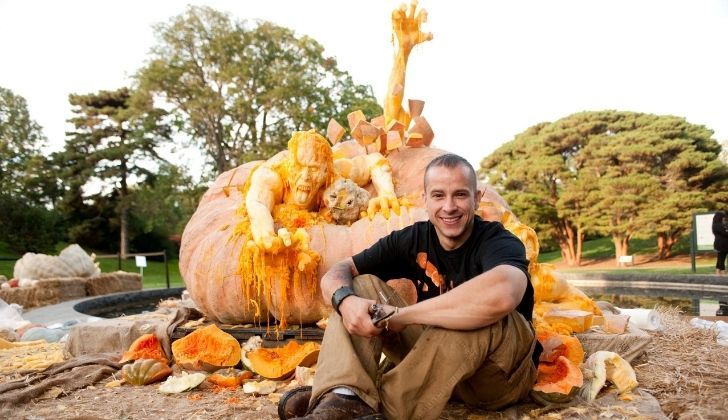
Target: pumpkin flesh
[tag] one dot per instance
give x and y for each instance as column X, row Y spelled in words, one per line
column 208, row 348
column 558, row 381
column 146, row 346
column 281, row 362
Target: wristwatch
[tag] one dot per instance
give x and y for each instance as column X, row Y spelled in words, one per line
column 339, row 295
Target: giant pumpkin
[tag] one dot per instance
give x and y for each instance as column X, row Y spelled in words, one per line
column 211, row 250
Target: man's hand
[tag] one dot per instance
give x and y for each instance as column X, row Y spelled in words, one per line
column 383, row 204
column 357, row 320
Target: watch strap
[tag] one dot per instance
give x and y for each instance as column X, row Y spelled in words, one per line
column 339, row 295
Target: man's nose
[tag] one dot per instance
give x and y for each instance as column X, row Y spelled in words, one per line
column 449, row 204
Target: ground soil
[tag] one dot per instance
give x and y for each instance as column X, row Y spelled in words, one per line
column 681, row 261
column 686, row 383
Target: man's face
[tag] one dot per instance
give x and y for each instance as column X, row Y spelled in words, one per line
column 451, row 202
column 308, row 175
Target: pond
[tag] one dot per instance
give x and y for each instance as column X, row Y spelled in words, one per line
column 131, row 303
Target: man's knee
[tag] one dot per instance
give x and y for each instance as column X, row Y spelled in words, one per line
column 367, row 286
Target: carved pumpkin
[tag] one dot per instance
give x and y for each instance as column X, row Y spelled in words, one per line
column 208, row 348
column 557, row 382
column 211, row 249
column 281, row 362
column 145, row 347
column 145, row 371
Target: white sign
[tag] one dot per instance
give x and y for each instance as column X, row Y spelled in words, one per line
column 141, row 261
column 704, row 232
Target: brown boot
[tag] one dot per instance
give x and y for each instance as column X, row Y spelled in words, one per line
column 333, row 406
column 294, row 403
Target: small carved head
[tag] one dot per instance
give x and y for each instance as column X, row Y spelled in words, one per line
column 346, row 200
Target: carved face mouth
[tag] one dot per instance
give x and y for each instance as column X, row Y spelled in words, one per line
column 302, row 193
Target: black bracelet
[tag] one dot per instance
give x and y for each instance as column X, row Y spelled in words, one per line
column 339, row 295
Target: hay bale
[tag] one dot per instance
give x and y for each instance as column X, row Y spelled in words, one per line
column 115, row 282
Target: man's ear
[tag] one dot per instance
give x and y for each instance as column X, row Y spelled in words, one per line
column 478, row 196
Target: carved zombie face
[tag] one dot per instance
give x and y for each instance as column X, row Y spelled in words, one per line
column 308, row 173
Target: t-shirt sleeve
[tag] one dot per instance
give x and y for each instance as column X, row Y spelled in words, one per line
column 506, row 249
column 384, row 253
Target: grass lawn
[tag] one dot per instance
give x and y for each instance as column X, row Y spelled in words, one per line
column 154, row 275
column 603, row 249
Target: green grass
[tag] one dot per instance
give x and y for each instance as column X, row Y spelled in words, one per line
column 153, row 278
column 603, row 248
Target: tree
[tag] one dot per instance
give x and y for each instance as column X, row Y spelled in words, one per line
column 21, row 140
column 620, row 174
column 240, row 90
column 163, row 206
column 116, row 135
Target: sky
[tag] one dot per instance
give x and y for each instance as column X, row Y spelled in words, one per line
column 493, row 69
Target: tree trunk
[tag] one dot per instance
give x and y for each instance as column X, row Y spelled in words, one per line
column 579, row 246
column 661, row 246
column 621, row 246
column 123, row 236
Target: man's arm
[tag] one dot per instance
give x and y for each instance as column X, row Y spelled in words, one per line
column 476, row 303
column 354, row 309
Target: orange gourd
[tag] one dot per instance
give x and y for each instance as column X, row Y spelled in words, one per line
column 262, row 287
column 208, row 348
column 146, row 346
column 281, row 362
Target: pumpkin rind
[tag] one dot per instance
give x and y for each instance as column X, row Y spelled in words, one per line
column 145, row 371
column 559, row 381
column 146, row 346
column 281, row 362
column 208, row 348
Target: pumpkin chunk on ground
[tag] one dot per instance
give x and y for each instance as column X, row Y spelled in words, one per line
column 208, row 348
column 145, row 347
column 278, row 363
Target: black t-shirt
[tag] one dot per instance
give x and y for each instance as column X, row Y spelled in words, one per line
column 415, row 253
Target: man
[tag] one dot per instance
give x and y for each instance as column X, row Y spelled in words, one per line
column 469, row 335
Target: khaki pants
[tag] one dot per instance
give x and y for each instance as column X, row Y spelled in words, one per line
column 489, row 368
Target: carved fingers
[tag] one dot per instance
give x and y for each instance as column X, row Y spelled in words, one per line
column 274, row 242
column 383, row 204
column 407, row 26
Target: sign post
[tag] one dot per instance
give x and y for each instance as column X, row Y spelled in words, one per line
column 141, row 262
column 702, row 237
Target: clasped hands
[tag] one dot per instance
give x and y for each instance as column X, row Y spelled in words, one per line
column 357, row 314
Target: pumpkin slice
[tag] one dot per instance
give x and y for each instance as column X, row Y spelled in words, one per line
column 230, row 377
column 208, row 349
column 608, row 366
column 145, row 347
column 145, row 371
column 577, row 321
column 281, row 362
column 557, row 382
column 555, row 345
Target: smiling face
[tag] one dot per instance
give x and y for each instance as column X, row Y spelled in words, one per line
column 451, row 199
column 308, row 174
